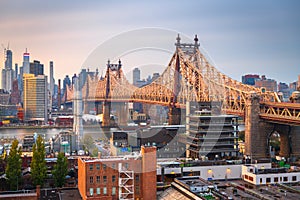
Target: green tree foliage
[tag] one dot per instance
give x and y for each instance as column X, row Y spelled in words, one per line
column 88, row 142
column 242, row 136
column 89, row 145
column 38, row 163
column 14, row 165
column 60, row 170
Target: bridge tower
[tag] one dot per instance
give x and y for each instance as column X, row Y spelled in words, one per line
column 189, row 49
column 107, row 103
column 174, row 112
column 256, row 130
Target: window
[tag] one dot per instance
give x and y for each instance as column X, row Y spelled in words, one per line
column 268, row 180
column 137, row 178
column 98, row 166
column 246, row 176
column 113, row 178
column 285, row 179
column 98, row 179
column 137, row 189
column 260, row 180
column 104, row 179
column 104, row 190
column 250, row 178
column 275, row 179
column 91, row 179
column 126, row 165
column 98, row 190
column 91, row 166
column 114, row 166
column 104, row 166
column 91, row 191
column 113, row 191
column 294, row 178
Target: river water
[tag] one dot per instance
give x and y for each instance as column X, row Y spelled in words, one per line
column 95, row 132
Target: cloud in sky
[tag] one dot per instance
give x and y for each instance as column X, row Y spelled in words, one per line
column 241, row 37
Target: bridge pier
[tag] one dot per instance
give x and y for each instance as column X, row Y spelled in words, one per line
column 284, row 145
column 295, row 141
column 121, row 112
column 106, row 114
column 174, row 116
column 256, row 130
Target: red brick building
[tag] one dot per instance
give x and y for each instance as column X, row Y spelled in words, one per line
column 121, row 177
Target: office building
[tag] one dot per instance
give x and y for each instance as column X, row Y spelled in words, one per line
column 35, row 97
column 155, row 76
column 36, row 68
column 284, row 90
column 122, row 177
column 136, row 76
column 7, row 72
column 250, row 79
column 51, row 84
column 15, row 97
column 66, row 83
column 293, row 86
column 268, row 84
column 26, row 63
column 266, row 175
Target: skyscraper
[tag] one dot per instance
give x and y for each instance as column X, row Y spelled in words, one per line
column 51, row 85
column 136, row 76
column 26, row 62
column 35, row 97
column 36, row 68
column 250, row 79
column 7, row 72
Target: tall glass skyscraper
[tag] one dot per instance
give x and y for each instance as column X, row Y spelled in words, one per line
column 7, row 72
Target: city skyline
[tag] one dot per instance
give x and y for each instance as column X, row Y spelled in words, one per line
column 241, row 38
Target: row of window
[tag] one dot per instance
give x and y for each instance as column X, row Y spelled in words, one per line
column 113, row 179
column 104, row 178
column 275, row 179
column 113, row 191
column 104, row 191
column 104, row 166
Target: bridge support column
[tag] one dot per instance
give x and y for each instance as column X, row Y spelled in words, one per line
column 174, row 116
column 295, row 141
column 99, row 108
column 256, row 131
column 106, row 114
column 284, row 144
column 122, row 113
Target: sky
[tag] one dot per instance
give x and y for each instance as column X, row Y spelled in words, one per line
column 240, row 37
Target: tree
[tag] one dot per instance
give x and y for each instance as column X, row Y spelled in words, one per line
column 242, row 136
column 60, row 170
column 14, row 165
column 38, row 163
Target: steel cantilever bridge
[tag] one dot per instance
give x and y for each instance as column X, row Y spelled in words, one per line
column 188, row 77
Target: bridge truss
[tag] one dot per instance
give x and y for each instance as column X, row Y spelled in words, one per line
column 188, row 77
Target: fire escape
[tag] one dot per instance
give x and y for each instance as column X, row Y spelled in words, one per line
column 126, row 183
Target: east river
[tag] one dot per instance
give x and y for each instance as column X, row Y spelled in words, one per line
column 19, row 133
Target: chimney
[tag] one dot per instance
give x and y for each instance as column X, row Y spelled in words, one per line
column 38, row 191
